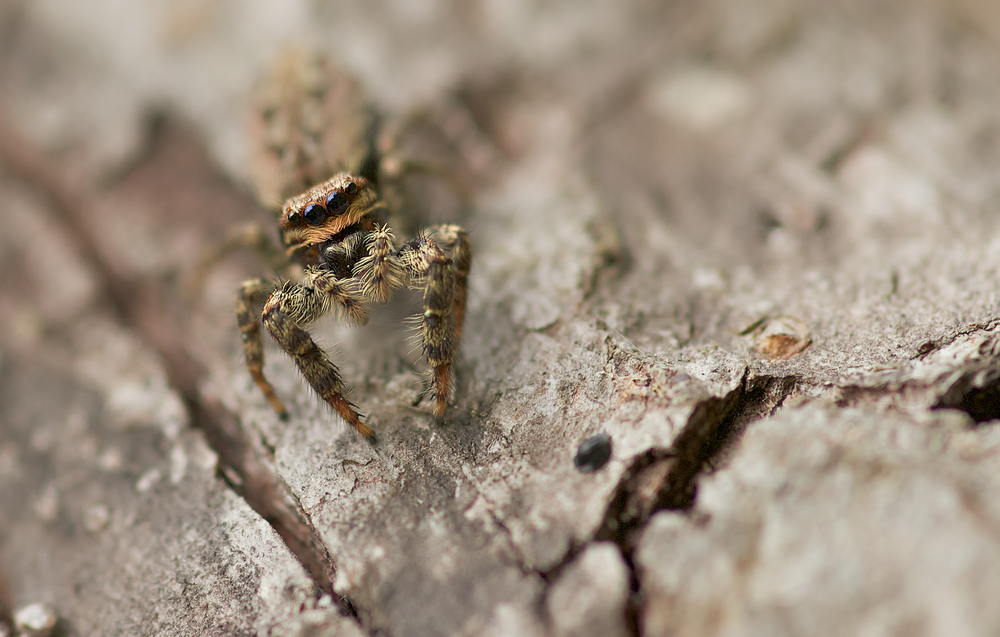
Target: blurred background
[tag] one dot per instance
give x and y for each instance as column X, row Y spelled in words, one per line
column 825, row 132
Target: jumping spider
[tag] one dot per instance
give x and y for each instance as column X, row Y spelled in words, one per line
column 333, row 230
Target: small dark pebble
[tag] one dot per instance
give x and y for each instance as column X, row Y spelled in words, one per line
column 593, row 453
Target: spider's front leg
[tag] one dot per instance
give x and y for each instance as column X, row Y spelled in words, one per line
column 455, row 241
column 291, row 308
column 443, row 279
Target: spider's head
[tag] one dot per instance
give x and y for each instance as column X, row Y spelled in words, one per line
column 324, row 210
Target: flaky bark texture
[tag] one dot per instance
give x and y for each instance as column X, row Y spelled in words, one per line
column 755, row 244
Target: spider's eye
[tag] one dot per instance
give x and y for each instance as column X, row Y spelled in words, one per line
column 336, row 202
column 315, row 214
column 294, row 217
column 351, row 188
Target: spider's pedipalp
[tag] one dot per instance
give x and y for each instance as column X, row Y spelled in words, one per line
column 381, row 271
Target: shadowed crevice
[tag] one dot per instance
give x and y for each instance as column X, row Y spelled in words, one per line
column 969, row 382
column 667, row 478
column 976, row 392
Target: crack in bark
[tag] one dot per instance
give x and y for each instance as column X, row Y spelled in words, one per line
column 970, row 384
column 666, row 478
column 952, row 336
column 136, row 305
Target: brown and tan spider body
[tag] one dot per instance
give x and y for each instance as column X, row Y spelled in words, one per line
column 351, row 259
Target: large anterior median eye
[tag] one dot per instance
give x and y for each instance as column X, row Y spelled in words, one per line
column 315, row 214
column 336, row 202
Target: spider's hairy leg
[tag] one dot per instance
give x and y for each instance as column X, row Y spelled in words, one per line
column 247, row 303
column 290, row 309
column 381, row 272
column 433, row 270
column 455, row 241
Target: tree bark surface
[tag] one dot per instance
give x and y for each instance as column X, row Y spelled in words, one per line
column 755, row 245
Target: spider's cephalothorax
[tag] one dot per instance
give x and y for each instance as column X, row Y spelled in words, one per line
column 350, row 259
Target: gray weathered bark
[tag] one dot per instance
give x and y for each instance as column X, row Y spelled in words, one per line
column 755, row 244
